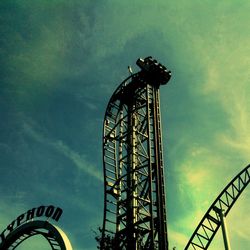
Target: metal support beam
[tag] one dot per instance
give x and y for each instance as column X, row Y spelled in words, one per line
column 134, row 199
column 224, row 229
column 210, row 223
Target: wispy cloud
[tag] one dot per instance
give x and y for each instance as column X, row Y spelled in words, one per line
column 177, row 239
column 201, row 177
column 78, row 159
column 237, row 216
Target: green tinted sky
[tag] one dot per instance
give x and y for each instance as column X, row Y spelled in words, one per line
column 60, row 63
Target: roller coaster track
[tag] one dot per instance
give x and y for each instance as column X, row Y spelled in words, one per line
column 134, row 199
column 54, row 235
column 134, row 192
column 210, row 223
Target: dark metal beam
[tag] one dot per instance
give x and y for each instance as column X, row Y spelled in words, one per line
column 134, row 203
column 210, row 223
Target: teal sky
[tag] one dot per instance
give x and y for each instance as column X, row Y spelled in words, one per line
column 60, row 63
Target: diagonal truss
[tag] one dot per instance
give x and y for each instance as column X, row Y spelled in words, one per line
column 211, row 221
column 134, row 205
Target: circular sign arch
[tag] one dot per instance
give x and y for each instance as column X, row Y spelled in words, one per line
column 56, row 238
column 30, row 224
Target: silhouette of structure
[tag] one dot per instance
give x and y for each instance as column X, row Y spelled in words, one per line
column 134, row 203
column 214, row 217
column 56, row 238
column 29, row 224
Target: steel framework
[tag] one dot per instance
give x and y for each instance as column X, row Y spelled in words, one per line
column 134, row 203
column 56, row 238
column 210, row 223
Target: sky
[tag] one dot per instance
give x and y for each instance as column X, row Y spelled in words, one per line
column 60, row 63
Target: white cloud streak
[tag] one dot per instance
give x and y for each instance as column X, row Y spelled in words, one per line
column 79, row 160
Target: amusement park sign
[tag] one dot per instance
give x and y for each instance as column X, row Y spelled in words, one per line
column 42, row 211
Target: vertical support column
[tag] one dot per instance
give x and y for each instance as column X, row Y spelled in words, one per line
column 161, row 206
column 224, row 229
column 132, row 180
column 120, row 166
column 221, row 214
column 149, row 115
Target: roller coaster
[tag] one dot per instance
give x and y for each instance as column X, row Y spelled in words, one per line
column 30, row 224
column 134, row 207
column 134, row 190
column 56, row 238
column 212, row 220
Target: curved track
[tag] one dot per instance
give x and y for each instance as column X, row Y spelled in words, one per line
column 134, row 193
column 210, row 223
column 54, row 235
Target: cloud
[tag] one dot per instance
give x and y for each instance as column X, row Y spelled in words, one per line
column 52, row 48
column 232, row 94
column 201, row 176
column 177, row 239
column 9, row 212
column 226, row 77
column 238, row 215
column 79, row 160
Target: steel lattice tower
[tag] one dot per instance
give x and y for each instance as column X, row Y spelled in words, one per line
column 134, row 203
